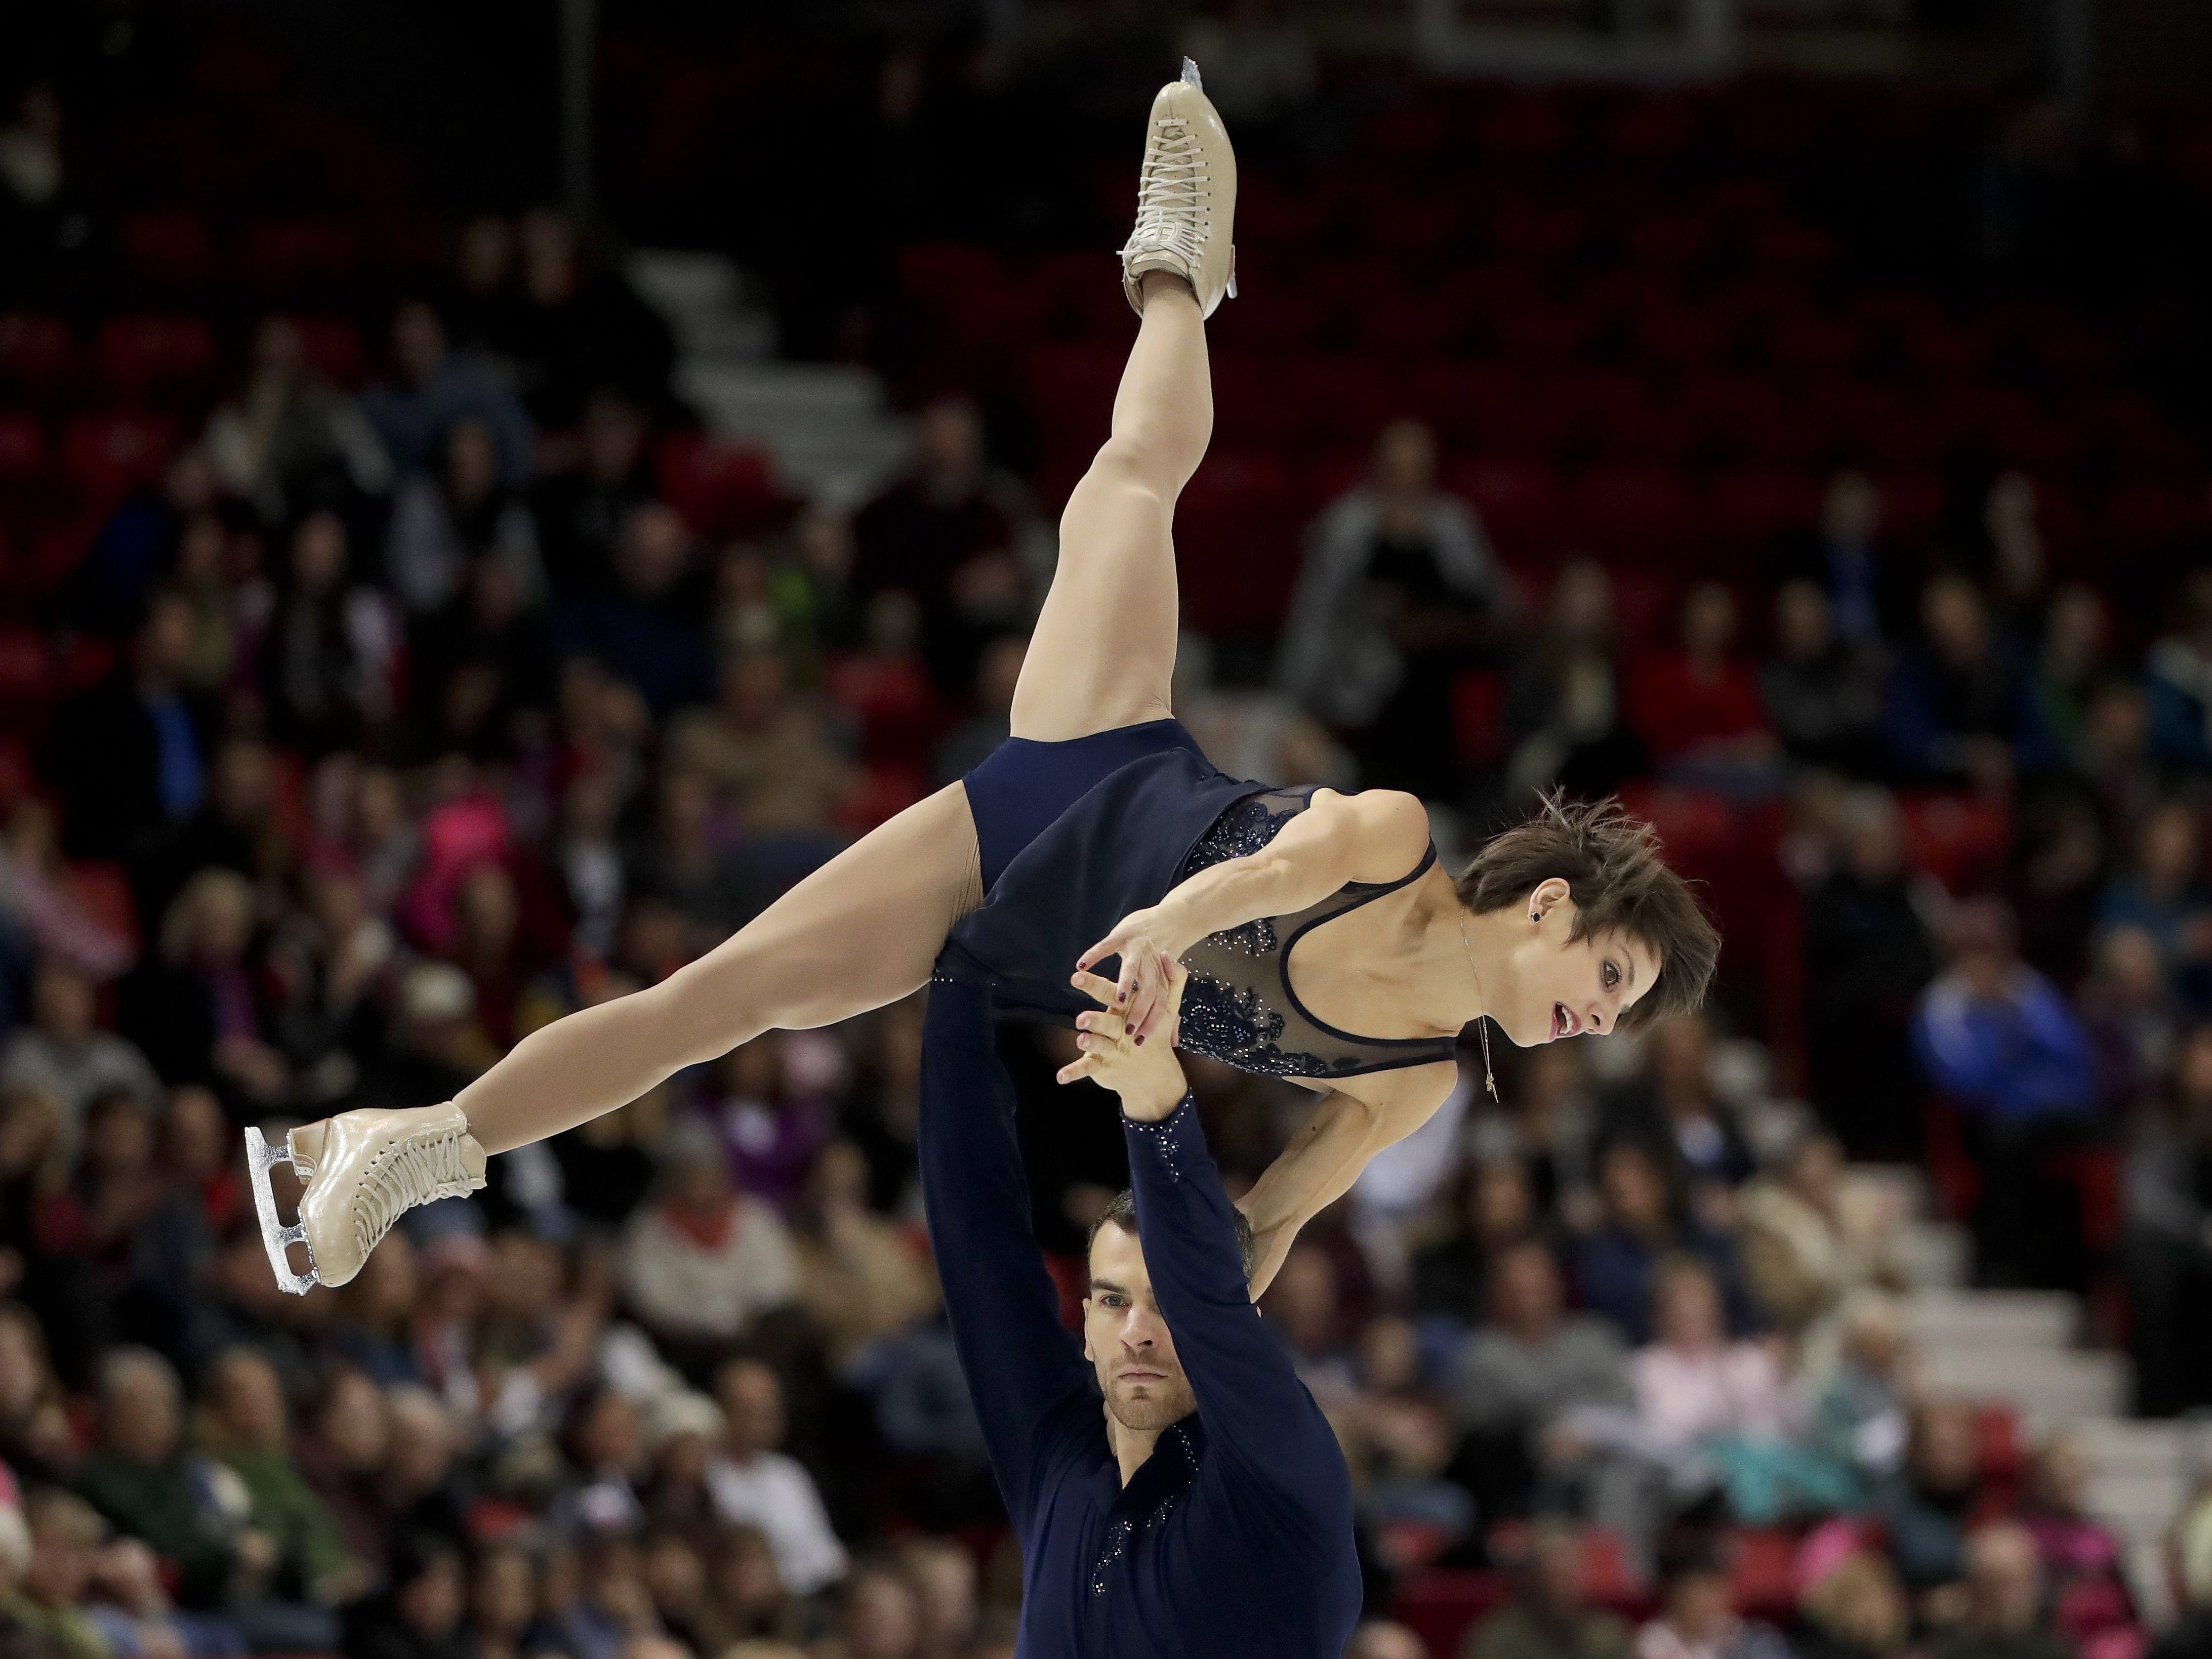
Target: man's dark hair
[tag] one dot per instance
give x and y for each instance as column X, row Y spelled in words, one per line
column 1611, row 864
column 1122, row 1213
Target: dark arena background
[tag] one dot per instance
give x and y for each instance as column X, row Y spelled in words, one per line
column 490, row 494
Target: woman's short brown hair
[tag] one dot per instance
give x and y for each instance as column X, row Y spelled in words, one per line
column 1611, row 864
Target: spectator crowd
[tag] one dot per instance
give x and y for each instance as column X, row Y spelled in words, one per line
column 426, row 710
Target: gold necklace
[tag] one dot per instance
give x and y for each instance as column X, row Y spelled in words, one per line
column 1482, row 1020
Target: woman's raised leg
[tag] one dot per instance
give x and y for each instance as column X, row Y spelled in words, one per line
column 1103, row 652
column 860, row 932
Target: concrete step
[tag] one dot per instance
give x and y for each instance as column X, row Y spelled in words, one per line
column 2051, row 1389
column 1938, row 1255
column 708, row 301
column 826, row 424
column 2007, row 1319
column 2134, row 1446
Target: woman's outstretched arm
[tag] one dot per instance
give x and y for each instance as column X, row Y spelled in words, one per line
column 1375, row 835
column 1326, row 1157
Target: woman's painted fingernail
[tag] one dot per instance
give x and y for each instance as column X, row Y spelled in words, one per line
column 1140, row 1042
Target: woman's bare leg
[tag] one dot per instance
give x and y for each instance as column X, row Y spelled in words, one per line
column 1103, row 652
column 859, row 932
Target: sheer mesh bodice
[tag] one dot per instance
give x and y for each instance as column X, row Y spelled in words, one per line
column 1238, row 1007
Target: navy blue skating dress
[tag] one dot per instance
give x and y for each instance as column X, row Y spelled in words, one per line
column 1075, row 836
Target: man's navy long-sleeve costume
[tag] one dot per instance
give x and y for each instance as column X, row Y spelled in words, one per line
column 1235, row 1537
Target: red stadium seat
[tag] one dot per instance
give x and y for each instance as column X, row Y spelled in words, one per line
column 22, row 446
column 1670, row 332
column 1631, row 510
column 286, row 255
column 932, row 270
column 104, row 889
column 1441, row 1604
column 1752, row 505
column 1238, row 526
column 170, row 246
column 2141, row 516
column 332, row 348
column 105, row 455
column 148, row 354
column 27, row 680
column 1961, row 839
column 1800, row 341
column 37, row 353
column 1763, row 1571
column 722, row 489
column 1519, row 503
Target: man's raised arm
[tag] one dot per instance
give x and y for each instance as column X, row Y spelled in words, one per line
column 1022, row 1365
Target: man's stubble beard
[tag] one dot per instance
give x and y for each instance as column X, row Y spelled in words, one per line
column 1164, row 1403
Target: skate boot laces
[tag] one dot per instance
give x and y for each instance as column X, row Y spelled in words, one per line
column 1172, row 195
column 417, row 1168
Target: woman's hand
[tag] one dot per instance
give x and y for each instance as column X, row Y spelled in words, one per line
column 1148, row 950
column 1147, row 1076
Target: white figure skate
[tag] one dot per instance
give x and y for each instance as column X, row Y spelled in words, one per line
column 1185, row 198
column 360, row 1172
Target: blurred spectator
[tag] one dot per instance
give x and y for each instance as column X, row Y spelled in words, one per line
column 40, row 910
column 1822, row 688
column 419, row 1615
column 769, row 748
column 1867, row 956
column 1696, row 1619
column 649, row 627
column 1859, row 1421
column 755, row 1483
column 140, row 1476
column 191, row 1003
column 2188, row 1553
column 46, row 227
column 1644, row 1219
column 130, row 755
column 1398, row 592
column 1959, row 709
column 434, row 387
column 290, row 442
column 62, row 1053
column 1942, row 1496
column 2001, row 1044
column 1802, row 1259
column 2071, row 668
column 138, row 544
column 1674, row 1104
column 1563, row 704
column 943, row 1576
column 1698, row 707
column 579, row 327
column 1533, row 1364
column 236, row 828
column 878, row 1617
column 704, row 1261
column 2128, row 1008
column 246, row 1425
column 2166, row 1245
column 1855, row 1610
column 1847, row 559
column 2006, row 1617
column 1549, row 1617
column 1384, row 1638
column 329, row 660
column 454, row 512
column 1496, row 1211
column 2018, row 572
column 2178, row 678
column 341, row 1457
column 860, row 1279
column 2163, row 891
column 2083, row 1558
column 955, row 534
column 581, row 513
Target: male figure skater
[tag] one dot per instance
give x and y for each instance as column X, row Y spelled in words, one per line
column 1176, row 1489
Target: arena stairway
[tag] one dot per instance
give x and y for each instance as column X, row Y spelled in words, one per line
column 2024, row 1350
column 826, row 425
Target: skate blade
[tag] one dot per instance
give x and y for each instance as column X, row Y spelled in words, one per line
column 260, row 1158
column 1190, row 74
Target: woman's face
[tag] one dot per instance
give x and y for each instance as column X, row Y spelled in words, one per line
column 1562, row 987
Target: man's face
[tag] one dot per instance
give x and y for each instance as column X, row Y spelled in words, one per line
column 1126, row 1338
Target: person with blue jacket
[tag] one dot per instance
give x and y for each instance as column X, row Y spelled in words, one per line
column 1175, row 1487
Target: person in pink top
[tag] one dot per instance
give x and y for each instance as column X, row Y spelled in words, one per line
column 1692, row 1383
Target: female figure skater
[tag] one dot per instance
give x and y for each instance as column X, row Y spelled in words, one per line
column 1323, row 941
